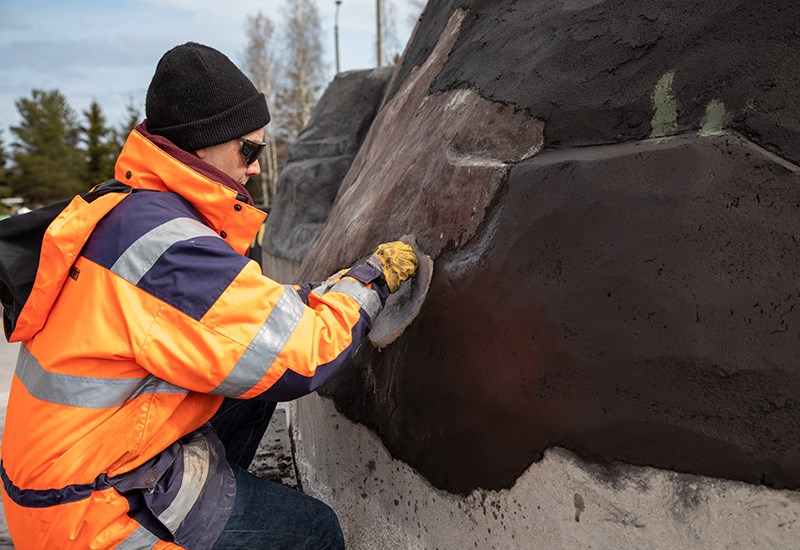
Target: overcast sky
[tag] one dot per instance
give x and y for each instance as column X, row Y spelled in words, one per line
column 107, row 49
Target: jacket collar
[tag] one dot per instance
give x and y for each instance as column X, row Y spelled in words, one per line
column 155, row 163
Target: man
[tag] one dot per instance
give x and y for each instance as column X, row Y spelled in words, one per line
column 146, row 321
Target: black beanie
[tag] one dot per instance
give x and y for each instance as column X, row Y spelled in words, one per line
column 199, row 98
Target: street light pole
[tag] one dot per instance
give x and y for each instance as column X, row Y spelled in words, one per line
column 336, row 34
column 379, row 9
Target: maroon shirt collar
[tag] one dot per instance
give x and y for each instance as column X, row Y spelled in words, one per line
column 195, row 163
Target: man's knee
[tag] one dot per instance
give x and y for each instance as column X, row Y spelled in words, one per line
column 328, row 527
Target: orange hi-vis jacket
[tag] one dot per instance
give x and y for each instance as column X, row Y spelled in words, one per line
column 144, row 315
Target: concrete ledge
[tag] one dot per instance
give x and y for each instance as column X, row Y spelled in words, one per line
column 560, row 502
column 274, row 460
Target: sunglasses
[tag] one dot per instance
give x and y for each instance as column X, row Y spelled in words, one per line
column 251, row 150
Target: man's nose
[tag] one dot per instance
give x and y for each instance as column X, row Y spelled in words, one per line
column 253, row 169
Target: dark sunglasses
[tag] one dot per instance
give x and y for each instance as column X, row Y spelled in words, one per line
column 251, row 150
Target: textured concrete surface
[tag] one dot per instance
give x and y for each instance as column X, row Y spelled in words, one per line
column 614, row 228
column 315, row 165
column 589, row 68
column 274, row 459
column 430, row 165
column 640, row 309
column 559, row 502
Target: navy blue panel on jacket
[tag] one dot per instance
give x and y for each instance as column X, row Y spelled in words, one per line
column 158, row 242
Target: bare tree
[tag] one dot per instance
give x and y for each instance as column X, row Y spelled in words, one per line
column 261, row 66
column 390, row 44
column 303, row 68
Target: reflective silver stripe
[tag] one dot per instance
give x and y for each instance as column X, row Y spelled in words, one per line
column 196, row 458
column 367, row 298
column 85, row 391
column 265, row 347
column 141, row 539
column 326, row 285
column 196, row 461
column 140, row 257
column 322, row 289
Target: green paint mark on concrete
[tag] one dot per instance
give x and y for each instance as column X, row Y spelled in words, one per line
column 665, row 115
column 714, row 119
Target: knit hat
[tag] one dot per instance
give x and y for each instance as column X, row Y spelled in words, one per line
column 199, row 98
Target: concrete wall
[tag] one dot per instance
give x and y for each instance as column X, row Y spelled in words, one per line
column 608, row 353
column 558, row 502
column 315, row 164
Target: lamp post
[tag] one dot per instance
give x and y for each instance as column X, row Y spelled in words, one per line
column 379, row 9
column 336, row 34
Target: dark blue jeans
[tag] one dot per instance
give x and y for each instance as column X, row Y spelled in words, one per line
column 267, row 514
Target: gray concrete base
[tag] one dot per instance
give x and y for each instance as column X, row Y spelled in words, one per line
column 273, row 458
column 559, row 502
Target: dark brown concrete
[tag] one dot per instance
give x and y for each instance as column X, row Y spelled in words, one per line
column 588, row 67
column 315, row 165
column 430, row 165
column 649, row 319
column 633, row 302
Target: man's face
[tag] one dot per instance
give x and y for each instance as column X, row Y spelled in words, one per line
column 228, row 158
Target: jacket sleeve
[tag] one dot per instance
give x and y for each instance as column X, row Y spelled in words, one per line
column 221, row 327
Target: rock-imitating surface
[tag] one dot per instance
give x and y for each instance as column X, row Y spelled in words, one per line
column 608, row 190
column 431, row 162
column 315, row 166
column 600, row 72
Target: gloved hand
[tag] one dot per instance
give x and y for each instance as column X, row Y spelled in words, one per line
column 397, row 260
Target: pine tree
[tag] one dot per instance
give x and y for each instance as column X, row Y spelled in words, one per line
column 48, row 164
column 5, row 190
column 3, row 158
column 100, row 149
column 133, row 116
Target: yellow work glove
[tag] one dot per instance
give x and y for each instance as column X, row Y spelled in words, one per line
column 398, row 262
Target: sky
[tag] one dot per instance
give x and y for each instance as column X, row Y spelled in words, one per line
column 107, row 50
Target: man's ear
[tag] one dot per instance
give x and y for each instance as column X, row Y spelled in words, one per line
column 201, row 153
